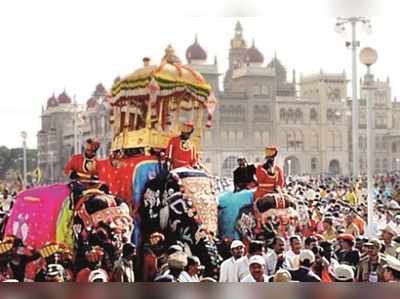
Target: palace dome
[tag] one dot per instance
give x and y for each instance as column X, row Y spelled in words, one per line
column 254, row 55
column 63, row 98
column 52, row 102
column 91, row 103
column 195, row 52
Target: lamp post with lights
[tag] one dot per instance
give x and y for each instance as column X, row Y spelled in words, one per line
column 340, row 28
column 24, row 136
column 368, row 57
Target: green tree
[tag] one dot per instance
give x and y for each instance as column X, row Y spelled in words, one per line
column 11, row 161
column 5, row 161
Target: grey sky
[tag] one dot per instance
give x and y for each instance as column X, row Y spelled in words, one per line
column 47, row 46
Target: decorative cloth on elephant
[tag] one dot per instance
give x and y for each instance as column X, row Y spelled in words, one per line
column 231, row 212
column 27, row 220
column 51, row 248
column 113, row 215
column 6, row 245
column 197, row 188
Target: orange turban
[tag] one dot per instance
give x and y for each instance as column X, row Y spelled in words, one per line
column 271, row 151
column 187, row 127
column 92, row 145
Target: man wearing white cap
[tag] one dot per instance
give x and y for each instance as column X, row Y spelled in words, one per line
column 257, row 270
column 388, row 233
column 304, row 273
column 241, row 266
column 177, row 262
column 98, row 275
column 392, row 270
column 227, row 267
column 192, row 270
column 343, row 273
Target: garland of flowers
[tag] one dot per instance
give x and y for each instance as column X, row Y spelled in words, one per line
column 199, row 91
column 164, row 92
column 133, row 96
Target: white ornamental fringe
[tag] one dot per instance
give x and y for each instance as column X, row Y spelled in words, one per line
column 164, row 92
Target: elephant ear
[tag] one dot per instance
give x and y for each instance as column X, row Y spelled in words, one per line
column 164, row 217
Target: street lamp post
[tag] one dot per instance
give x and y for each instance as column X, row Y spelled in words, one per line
column 368, row 57
column 51, row 157
column 354, row 44
column 24, row 136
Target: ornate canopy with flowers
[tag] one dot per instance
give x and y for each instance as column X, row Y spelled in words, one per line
column 151, row 103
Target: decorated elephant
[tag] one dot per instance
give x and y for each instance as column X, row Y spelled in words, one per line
column 239, row 217
column 41, row 215
column 100, row 219
column 75, row 215
column 182, row 206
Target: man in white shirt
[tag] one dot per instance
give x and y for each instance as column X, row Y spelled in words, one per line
column 292, row 256
column 191, row 270
column 256, row 269
column 275, row 258
column 241, row 266
column 227, row 267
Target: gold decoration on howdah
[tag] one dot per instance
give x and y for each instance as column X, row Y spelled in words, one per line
column 150, row 104
column 170, row 56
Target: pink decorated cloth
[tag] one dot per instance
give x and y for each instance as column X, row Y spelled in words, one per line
column 35, row 214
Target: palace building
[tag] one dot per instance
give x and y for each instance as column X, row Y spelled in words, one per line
column 308, row 117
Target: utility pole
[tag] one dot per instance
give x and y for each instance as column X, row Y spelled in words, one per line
column 354, row 44
column 24, row 136
column 368, row 57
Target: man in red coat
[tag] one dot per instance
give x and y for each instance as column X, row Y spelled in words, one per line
column 180, row 150
column 84, row 166
column 270, row 179
column 269, row 176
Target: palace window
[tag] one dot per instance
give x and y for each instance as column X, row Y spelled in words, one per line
column 283, row 115
column 313, row 114
column 299, row 115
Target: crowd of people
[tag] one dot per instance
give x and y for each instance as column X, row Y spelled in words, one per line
column 325, row 241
